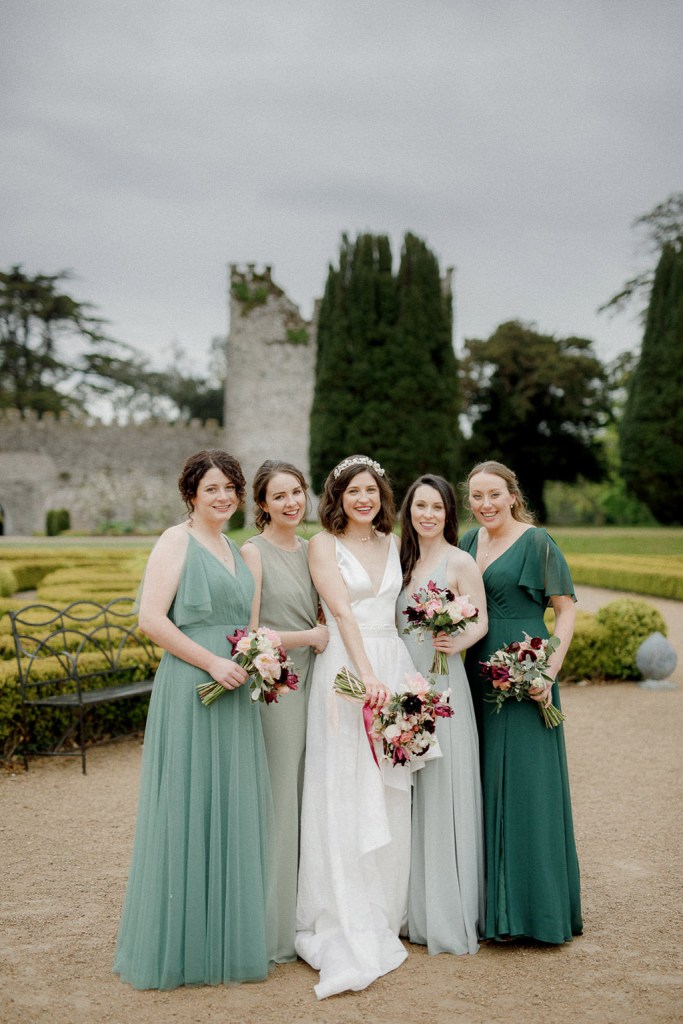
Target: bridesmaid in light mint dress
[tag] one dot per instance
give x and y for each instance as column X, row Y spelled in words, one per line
column 285, row 600
column 446, row 894
column 197, row 909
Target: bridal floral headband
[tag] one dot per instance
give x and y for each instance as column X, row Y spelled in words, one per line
column 357, row 460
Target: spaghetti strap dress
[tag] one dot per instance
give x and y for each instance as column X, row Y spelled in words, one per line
column 532, row 887
column 198, row 904
column 446, row 893
column 289, row 601
column 355, row 824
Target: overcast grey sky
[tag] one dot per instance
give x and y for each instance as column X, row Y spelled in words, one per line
column 148, row 144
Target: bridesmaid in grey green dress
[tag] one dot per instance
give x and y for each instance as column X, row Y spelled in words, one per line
column 285, row 600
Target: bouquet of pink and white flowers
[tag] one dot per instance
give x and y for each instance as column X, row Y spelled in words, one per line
column 520, row 671
column 439, row 610
column 406, row 723
column 261, row 653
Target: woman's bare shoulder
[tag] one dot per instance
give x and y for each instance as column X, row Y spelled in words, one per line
column 321, row 542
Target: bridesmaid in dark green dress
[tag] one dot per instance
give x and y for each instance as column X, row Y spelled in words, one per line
column 285, row 600
column 198, row 909
column 532, row 868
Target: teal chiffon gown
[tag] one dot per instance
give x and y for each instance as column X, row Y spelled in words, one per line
column 532, row 887
column 198, row 904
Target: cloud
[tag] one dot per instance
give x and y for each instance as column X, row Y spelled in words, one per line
column 149, row 145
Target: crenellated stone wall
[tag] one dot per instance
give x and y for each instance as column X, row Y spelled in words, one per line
column 99, row 472
column 128, row 473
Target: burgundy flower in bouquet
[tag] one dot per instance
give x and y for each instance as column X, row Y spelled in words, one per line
column 406, row 723
column 520, row 671
column 439, row 610
column 261, row 653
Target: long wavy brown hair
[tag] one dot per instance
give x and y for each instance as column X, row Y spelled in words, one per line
column 410, row 541
column 332, row 515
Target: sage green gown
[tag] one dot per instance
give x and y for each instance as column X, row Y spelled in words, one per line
column 446, row 893
column 198, row 905
column 532, row 887
column 289, row 601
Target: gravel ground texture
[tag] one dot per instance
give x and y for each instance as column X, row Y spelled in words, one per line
column 65, row 842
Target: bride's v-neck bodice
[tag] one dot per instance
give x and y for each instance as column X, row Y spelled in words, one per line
column 372, row 610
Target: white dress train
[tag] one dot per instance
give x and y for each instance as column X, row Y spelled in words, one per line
column 355, row 824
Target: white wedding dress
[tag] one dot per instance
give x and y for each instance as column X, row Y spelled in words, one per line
column 355, row 824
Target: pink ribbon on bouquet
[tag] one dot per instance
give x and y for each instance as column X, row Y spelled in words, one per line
column 368, row 719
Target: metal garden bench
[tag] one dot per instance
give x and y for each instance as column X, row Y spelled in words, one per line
column 75, row 658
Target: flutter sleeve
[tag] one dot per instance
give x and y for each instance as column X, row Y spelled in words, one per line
column 544, row 572
column 192, row 603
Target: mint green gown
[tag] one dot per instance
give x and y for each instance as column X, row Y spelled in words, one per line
column 198, row 904
column 532, row 886
column 446, row 892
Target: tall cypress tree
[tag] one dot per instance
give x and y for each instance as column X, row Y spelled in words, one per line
column 386, row 374
column 651, row 432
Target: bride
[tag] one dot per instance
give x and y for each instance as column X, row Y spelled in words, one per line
column 355, row 826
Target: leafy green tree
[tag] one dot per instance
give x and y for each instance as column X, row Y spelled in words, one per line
column 135, row 390
column 536, row 403
column 423, row 402
column 56, row 357
column 663, row 225
column 651, row 432
column 37, row 322
column 386, row 375
column 352, row 320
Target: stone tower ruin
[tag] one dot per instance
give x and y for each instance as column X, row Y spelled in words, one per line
column 270, row 373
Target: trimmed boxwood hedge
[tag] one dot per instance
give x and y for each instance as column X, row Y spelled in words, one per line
column 604, row 645
column 603, row 648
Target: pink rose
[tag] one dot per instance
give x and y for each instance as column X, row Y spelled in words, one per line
column 267, row 666
column 417, row 684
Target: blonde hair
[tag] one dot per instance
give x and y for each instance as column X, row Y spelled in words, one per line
column 520, row 510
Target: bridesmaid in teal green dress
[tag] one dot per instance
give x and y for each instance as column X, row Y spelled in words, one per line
column 198, row 904
column 531, row 863
column 285, row 600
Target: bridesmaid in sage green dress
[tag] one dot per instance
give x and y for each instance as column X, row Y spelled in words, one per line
column 531, row 863
column 285, row 600
column 198, row 907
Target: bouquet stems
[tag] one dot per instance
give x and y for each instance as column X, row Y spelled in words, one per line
column 551, row 715
column 439, row 664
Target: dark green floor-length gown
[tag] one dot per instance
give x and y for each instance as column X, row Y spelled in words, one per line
column 532, row 886
column 198, row 905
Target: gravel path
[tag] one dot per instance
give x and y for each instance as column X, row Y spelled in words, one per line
column 65, row 843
